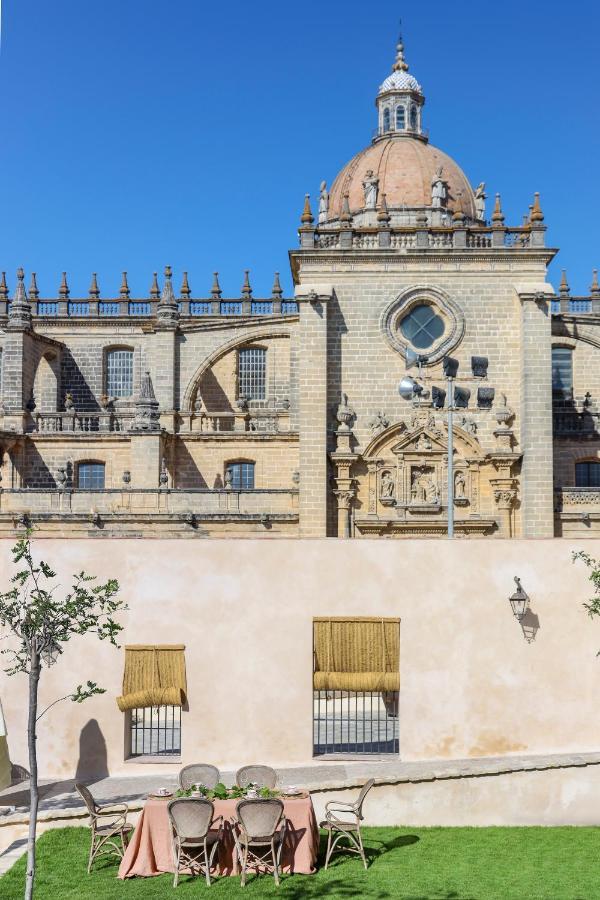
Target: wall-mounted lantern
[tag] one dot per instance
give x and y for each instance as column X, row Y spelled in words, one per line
column 519, row 600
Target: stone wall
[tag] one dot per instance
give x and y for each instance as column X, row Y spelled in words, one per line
column 471, row 685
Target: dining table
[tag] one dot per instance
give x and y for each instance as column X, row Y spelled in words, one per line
column 150, row 849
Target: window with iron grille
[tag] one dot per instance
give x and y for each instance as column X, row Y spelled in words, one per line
column 252, row 367
column 356, row 685
column 90, row 476
column 562, row 372
column 587, row 474
column 155, row 731
column 242, row 475
column 119, row 373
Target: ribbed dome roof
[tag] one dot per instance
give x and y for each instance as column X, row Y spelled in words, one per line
column 400, row 81
column 405, row 167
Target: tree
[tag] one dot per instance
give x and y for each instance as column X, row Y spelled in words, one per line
column 42, row 624
column 593, row 603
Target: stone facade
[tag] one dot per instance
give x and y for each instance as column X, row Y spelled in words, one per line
column 400, row 270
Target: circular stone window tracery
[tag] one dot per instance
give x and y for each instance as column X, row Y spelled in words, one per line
column 425, row 319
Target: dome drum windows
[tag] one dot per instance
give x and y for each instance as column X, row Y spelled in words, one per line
column 400, row 118
column 387, row 119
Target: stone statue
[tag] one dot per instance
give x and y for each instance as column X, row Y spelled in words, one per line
column 459, row 486
column 439, row 190
column 323, row 203
column 480, row 197
column 379, row 422
column 370, row 187
column 424, row 488
column 388, row 487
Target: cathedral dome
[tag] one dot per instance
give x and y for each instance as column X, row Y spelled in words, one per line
column 405, row 167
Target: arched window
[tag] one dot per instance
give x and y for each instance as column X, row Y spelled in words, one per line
column 562, row 373
column 239, row 475
column 90, row 476
column 413, row 118
column 119, row 373
column 252, row 371
column 386, row 120
column 400, row 118
column 587, row 474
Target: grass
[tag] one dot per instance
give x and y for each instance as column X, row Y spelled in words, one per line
column 405, row 864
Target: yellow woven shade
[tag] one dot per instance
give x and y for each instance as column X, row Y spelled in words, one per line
column 153, row 676
column 356, row 654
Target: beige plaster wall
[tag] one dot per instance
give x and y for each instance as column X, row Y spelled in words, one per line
column 470, row 684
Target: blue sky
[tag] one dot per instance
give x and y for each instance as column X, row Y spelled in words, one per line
column 139, row 133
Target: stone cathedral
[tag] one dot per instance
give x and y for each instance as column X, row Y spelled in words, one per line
column 281, row 417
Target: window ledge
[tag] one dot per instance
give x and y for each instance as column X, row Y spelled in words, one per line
column 153, row 760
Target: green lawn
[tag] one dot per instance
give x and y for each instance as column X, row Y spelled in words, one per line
column 410, row 863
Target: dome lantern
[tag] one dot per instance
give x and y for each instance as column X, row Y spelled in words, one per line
column 400, row 101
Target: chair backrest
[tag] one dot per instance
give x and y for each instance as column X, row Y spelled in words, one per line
column 199, row 773
column 259, row 818
column 363, row 793
column 263, row 776
column 87, row 798
column 190, row 818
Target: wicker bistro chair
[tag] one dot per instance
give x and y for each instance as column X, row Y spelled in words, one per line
column 194, row 843
column 107, row 836
column 259, row 834
column 342, row 820
column 199, row 773
column 263, row 776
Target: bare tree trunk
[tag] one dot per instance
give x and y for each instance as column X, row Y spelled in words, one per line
column 34, row 677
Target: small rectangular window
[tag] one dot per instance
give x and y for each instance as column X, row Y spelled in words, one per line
column 240, row 476
column 587, row 474
column 562, row 372
column 119, row 373
column 90, row 476
column 252, row 364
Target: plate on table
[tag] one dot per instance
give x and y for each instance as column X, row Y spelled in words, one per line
column 160, row 795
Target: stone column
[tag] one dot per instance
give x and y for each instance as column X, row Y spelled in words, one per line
column 312, row 358
column 536, row 418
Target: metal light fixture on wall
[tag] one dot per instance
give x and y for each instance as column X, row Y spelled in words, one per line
column 519, row 600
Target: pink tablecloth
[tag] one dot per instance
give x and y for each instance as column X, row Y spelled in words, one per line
column 150, row 850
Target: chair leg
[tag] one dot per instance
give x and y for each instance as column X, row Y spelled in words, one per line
column 91, row 856
column 362, row 849
column 206, row 863
column 328, row 853
column 274, row 858
column 244, row 863
column 176, row 878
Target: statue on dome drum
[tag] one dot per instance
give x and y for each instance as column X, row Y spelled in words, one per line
column 439, row 190
column 480, row 198
column 323, row 203
column 371, row 189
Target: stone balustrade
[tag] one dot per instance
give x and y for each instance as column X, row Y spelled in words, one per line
column 114, row 502
column 461, row 237
column 73, row 422
column 141, row 309
column 572, row 498
column 570, row 422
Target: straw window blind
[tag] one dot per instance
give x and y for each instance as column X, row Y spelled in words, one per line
column 356, row 654
column 153, row 676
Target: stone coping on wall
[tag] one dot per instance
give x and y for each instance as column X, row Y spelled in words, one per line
column 321, row 776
